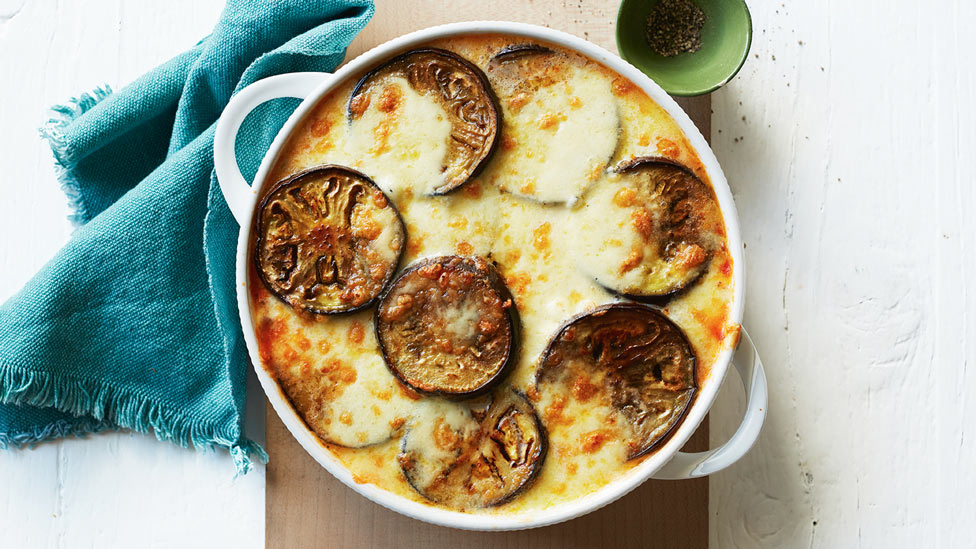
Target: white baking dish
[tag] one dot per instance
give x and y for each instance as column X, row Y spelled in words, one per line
column 667, row 462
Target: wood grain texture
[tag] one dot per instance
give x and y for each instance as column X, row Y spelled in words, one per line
column 307, row 507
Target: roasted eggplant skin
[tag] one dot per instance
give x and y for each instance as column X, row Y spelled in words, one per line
column 520, row 50
column 538, row 455
column 496, row 112
column 484, row 268
column 661, row 299
column 637, row 309
column 259, row 240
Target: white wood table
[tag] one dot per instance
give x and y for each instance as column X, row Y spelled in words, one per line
column 849, row 140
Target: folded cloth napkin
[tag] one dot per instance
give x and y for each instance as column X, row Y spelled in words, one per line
column 134, row 323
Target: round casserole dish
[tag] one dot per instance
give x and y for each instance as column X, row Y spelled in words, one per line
column 666, row 462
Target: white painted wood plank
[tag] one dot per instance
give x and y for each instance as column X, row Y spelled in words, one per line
column 853, row 174
column 112, row 490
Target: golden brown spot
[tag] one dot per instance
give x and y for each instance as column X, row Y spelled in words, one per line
column 575, row 102
column 384, row 395
column 321, row 127
column 415, row 244
column 291, row 355
column 550, row 120
column 533, row 393
column 444, row 437
column 359, row 104
column 518, row 282
column 513, row 256
column 356, row 333
column 376, row 410
column 528, row 187
column 642, row 221
column 508, row 142
column 714, row 325
column 541, row 236
column 691, row 256
column 736, row 333
column 624, row 197
column 595, row 172
column 633, row 260
column 554, row 412
column 367, row 228
column 397, row 422
column 381, row 137
column 668, row 148
column 518, row 101
column 268, row 333
column 644, row 140
column 622, row 86
column 575, row 297
column 726, row 268
column 458, row 222
column 345, row 418
column 431, row 271
column 583, row 389
column 390, row 98
column 594, row 440
column 395, row 312
column 464, row 248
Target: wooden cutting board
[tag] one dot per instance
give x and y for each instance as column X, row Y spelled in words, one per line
column 307, row 507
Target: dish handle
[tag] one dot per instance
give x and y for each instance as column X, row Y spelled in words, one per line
column 692, row 465
column 237, row 192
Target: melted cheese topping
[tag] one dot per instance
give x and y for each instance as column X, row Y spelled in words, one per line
column 531, row 243
column 542, row 155
column 402, row 136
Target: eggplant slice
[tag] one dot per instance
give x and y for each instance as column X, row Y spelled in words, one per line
column 328, row 240
column 462, row 90
column 560, row 125
column 448, row 326
column 667, row 225
column 474, row 457
column 635, row 358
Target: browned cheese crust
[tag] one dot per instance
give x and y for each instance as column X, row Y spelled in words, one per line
column 482, row 462
column 631, row 356
column 448, row 326
column 318, row 245
column 466, row 96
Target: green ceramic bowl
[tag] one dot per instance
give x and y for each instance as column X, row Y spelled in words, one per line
column 726, row 38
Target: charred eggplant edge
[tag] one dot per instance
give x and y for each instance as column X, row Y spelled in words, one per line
column 514, row 322
column 529, row 480
column 634, row 306
column 260, row 236
column 515, row 51
column 657, row 299
column 482, row 78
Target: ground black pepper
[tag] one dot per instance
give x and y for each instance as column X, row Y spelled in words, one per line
column 674, row 26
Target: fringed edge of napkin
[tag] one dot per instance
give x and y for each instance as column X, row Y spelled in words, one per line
column 52, row 131
column 101, row 406
column 54, row 430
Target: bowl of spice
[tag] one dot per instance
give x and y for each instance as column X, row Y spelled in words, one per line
column 689, row 47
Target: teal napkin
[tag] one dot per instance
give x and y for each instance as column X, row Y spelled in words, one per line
column 134, row 323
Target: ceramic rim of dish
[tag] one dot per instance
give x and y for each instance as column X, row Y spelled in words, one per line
column 627, row 481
